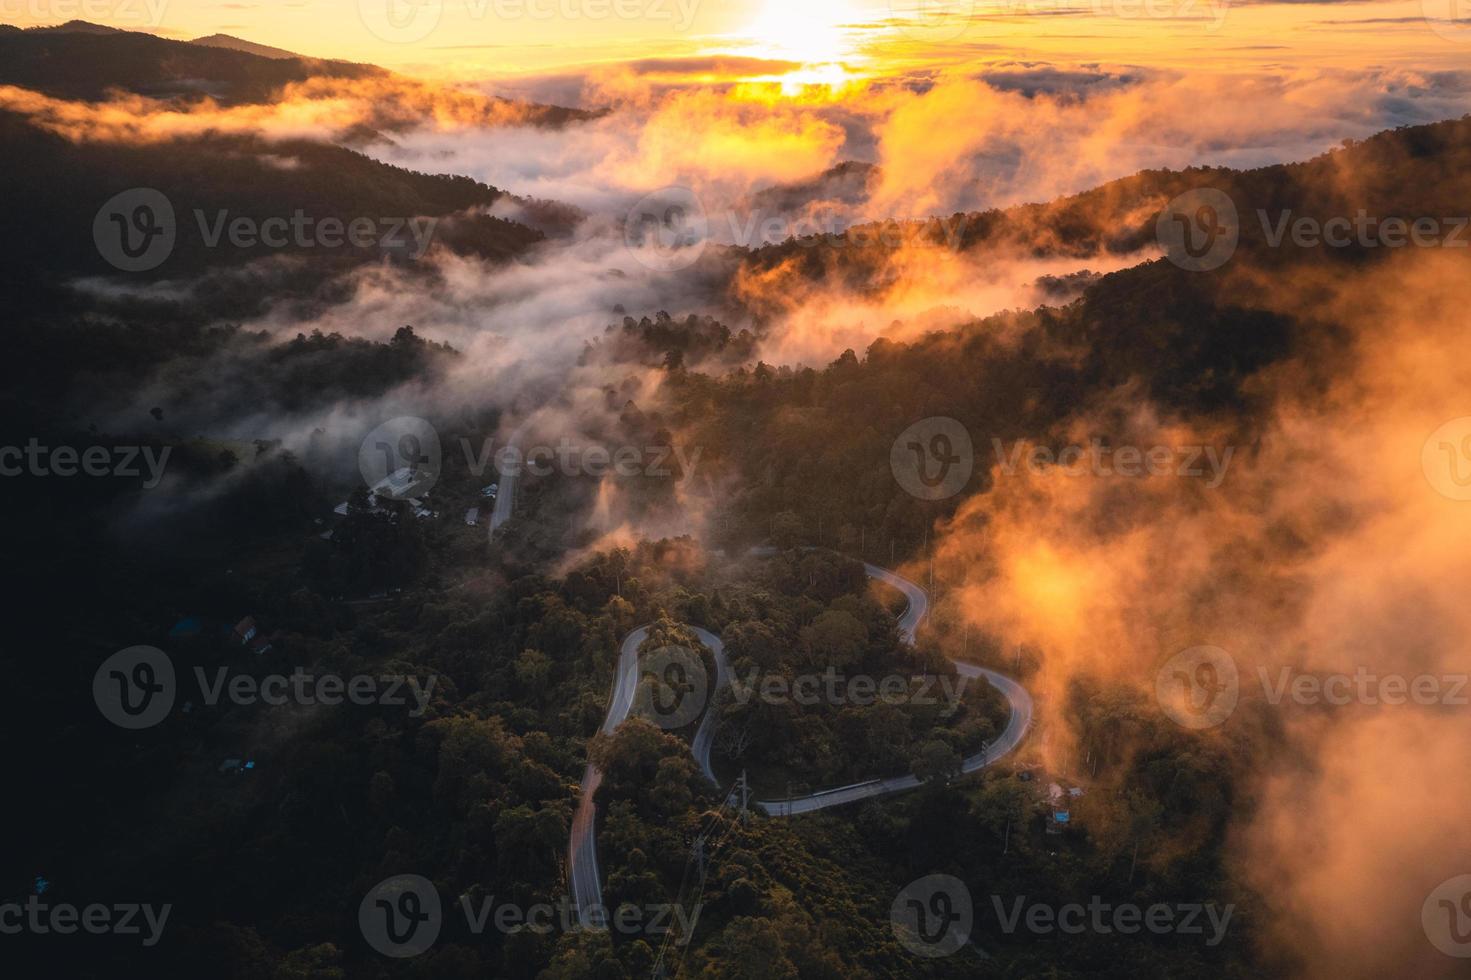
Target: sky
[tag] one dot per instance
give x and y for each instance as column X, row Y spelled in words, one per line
column 483, row 39
column 960, row 108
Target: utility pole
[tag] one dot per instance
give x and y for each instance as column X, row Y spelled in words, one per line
column 745, row 788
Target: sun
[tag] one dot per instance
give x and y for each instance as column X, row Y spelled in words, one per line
column 810, row 31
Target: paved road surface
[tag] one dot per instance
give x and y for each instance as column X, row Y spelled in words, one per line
column 1011, row 737
column 587, row 889
column 586, row 880
column 582, row 852
column 505, row 499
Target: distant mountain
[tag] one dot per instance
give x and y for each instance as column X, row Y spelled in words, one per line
column 55, row 187
column 1410, row 172
column 249, row 47
column 847, row 183
column 84, row 61
column 75, row 27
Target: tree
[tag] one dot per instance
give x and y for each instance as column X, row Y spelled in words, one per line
column 750, row 949
column 936, row 760
column 786, row 530
column 533, row 672
column 835, row 639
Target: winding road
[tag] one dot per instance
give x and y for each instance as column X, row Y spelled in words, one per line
column 583, row 873
column 587, row 890
column 582, row 856
column 505, row 498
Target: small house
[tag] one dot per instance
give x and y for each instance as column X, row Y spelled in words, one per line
column 245, row 630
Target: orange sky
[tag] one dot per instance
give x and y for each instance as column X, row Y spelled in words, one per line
column 482, row 38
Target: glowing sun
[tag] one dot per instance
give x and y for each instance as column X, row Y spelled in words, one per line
column 810, row 31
